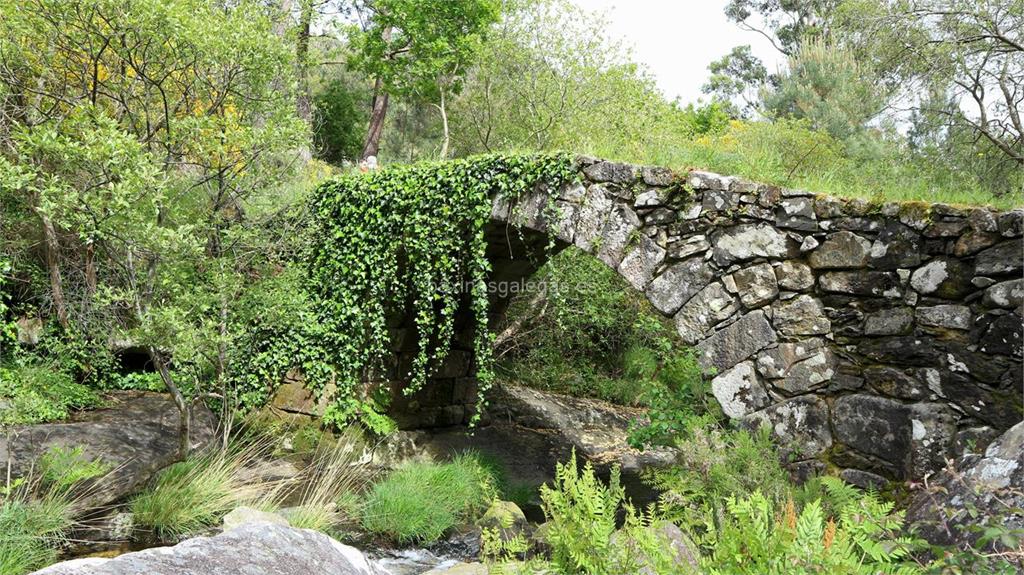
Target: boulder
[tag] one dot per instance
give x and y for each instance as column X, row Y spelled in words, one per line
column 736, row 342
column 677, row 284
column 136, row 436
column 981, row 490
column 506, row 517
column 711, row 306
column 249, row 549
column 738, row 391
column 243, row 515
column 679, row 549
column 841, row 250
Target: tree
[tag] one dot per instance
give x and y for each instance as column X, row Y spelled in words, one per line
column 739, row 76
column 958, row 62
column 415, row 48
column 827, row 86
column 203, row 92
column 550, row 77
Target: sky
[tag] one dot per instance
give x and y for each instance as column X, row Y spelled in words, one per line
column 677, row 39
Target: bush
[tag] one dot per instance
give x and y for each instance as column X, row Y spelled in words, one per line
column 420, row 501
column 713, row 464
column 759, row 536
column 38, row 393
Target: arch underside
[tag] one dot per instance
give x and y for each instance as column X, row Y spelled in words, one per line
column 873, row 338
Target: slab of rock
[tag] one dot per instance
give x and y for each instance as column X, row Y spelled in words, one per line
column 756, row 285
column 944, row 277
column 893, row 321
column 243, row 515
column 895, row 382
column 947, row 316
column 986, row 489
column 841, row 250
column 748, row 241
column 802, row 315
column 794, row 275
column 875, row 426
column 639, row 264
column 736, row 342
column 137, row 436
column 738, row 391
column 592, row 216
column 711, row 306
column 677, row 284
column 867, row 283
column 799, row 425
column 249, row 549
column 1004, row 258
column 1008, row 294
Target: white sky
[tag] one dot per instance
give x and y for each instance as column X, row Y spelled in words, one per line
column 677, row 39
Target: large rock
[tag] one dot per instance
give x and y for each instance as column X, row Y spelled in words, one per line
column 748, row 241
column 794, row 275
column 799, row 426
column 802, row 315
column 136, row 436
column 1008, row 294
column 876, row 426
column 639, row 264
column 736, row 342
column 985, row 490
column 254, row 548
column 841, row 250
column 1004, row 258
column 756, row 285
column 677, row 284
column 738, row 391
column 711, row 306
column 865, row 283
column 944, row 277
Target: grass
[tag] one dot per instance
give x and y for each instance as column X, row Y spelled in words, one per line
column 37, row 511
column 420, row 501
column 788, row 153
column 195, row 493
column 331, row 482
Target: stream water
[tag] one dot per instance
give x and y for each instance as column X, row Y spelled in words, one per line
column 410, row 561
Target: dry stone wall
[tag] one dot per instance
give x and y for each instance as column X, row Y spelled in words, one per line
column 879, row 338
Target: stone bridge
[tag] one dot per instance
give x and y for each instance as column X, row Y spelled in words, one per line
column 869, row 337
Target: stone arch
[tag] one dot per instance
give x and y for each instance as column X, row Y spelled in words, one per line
column 879, row 338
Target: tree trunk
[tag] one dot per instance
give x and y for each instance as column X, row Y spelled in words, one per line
column 90, row 270
column 302, row 103
column 184, row 409
column 377, row 113
column 53, row 267
column 444, row 122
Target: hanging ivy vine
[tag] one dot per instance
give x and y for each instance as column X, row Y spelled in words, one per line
column 412, row 237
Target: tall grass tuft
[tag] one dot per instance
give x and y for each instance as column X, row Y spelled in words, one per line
column 195, row 493
column 331, row 481
column 420, row 501
column 37, row 511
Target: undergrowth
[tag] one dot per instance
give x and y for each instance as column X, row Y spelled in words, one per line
column 420, row 501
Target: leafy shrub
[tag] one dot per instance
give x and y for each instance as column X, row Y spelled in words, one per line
column 714, row 463
column 420, row 501
column 581, row 514
column 759, row 536
column 38, row 393
column 582, row 517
